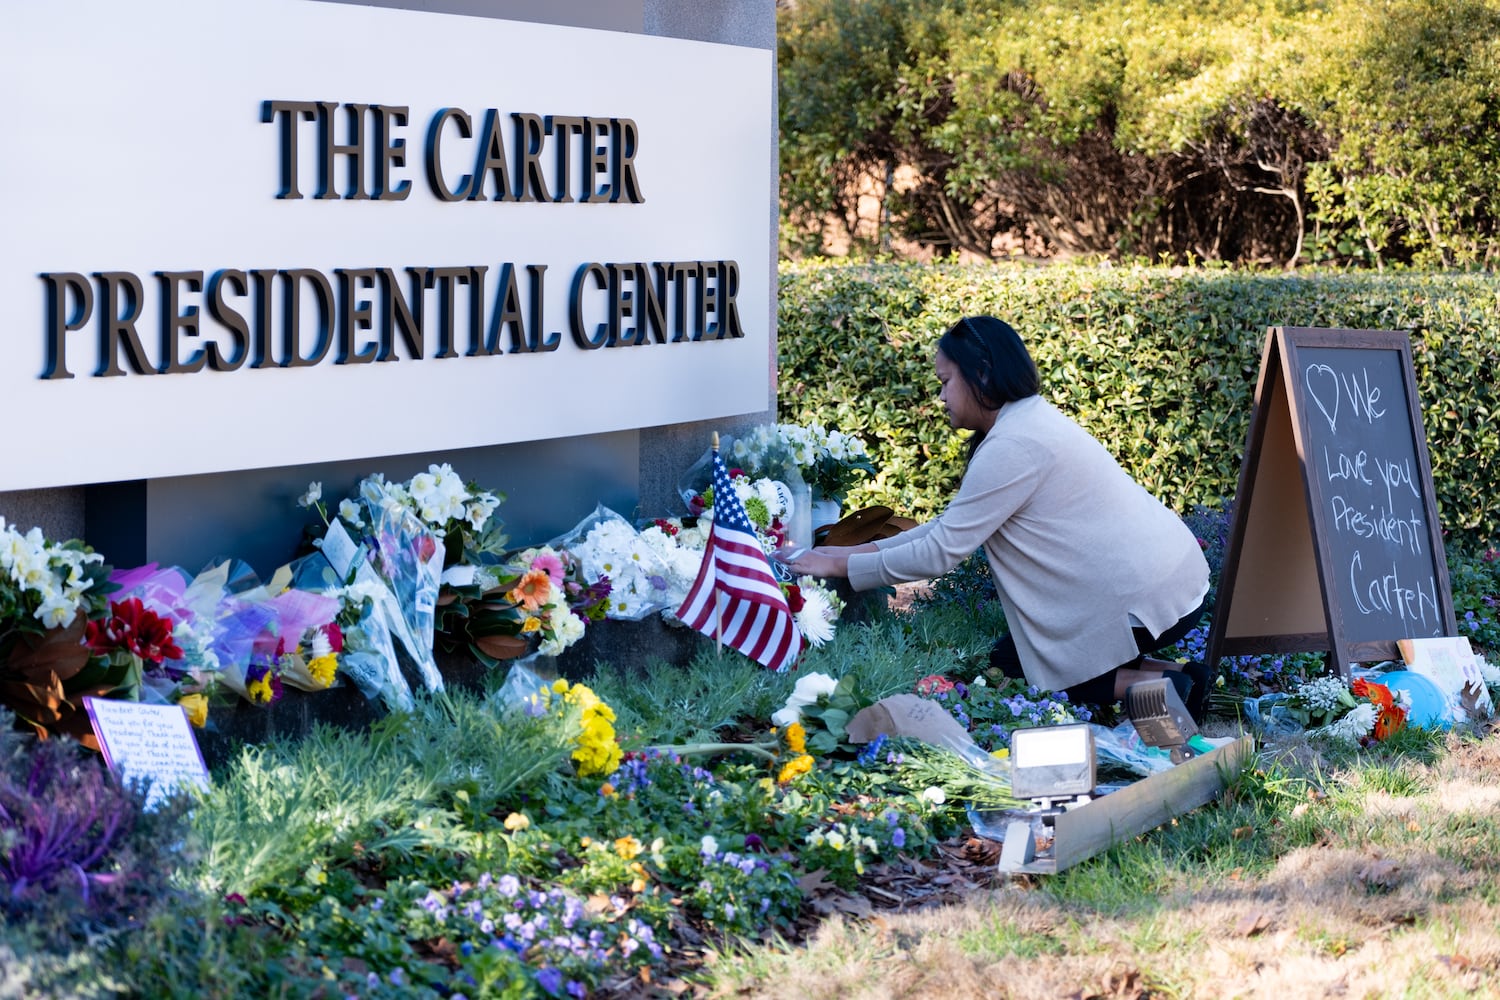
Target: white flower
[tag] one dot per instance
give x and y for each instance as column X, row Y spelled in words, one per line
column 809, row 688
column 1488, row 671
column 57, row 610
column 313, row 495
column 1355, row 726
column 567, row 628
column 318, row 645
column 816, row 618
column 709, row 846
column 478, row 510
column 934, row 795
column 349, row 511
column 835, row 840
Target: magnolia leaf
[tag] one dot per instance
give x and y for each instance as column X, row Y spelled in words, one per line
column 40, row 704
column 58, row 651
column 502, row 647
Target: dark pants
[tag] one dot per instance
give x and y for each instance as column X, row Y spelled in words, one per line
column 1101, row 690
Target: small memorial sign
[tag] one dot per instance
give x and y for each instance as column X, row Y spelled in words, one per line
column 1335, row 545
column 145, row 744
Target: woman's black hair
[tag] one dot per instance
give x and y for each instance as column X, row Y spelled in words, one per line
column 992, row 361
column 990, row 357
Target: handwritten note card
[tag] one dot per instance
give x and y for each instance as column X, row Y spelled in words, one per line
column 150, row 744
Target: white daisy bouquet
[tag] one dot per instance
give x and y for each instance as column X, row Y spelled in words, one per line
column 608, row 547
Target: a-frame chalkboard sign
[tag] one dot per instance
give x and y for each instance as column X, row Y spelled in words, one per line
column 1334, row 545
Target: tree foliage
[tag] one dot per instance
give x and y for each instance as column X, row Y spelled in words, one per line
column 1263, row 131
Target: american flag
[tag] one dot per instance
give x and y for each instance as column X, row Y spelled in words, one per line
column 736, row 598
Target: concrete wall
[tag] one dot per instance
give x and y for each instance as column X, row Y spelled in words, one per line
column 192, row 521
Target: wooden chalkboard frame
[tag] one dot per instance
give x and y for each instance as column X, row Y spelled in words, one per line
column 1277, row 588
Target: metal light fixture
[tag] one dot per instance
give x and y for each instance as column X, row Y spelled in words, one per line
column 1160, row 718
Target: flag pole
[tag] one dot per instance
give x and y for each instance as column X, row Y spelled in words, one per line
column 718, row 594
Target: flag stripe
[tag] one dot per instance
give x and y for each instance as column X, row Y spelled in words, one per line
column 736, row 596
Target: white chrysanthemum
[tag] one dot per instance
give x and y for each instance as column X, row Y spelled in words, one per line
column 776, row 497
column 567, row 628
column 816, row 618
column 695, row 538
column 318, row 644
column 1355, row 726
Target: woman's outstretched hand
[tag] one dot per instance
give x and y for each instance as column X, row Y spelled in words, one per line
column 822, row 562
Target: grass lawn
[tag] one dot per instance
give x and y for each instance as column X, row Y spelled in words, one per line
column 488, row 846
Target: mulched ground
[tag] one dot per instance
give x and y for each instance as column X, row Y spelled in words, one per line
column 960, row 867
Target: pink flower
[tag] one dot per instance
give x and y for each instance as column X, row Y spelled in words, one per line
column 551, row 565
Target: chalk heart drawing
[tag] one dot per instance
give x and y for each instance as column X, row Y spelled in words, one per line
column 1323, row 386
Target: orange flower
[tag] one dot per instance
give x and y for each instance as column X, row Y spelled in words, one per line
column 1389, row 722
column 533, row 590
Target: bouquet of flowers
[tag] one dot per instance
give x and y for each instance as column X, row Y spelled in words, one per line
column 1360, row 711
column 538, row 596
column 831, row 462
column 678, row 546
column 459, row 513
column 767, row 502
column 611, row 552
column 407, row 534
column 48, row 593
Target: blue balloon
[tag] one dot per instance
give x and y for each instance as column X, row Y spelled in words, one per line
column 1429, row 708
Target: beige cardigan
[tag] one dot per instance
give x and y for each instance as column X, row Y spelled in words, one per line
column 1076, row 546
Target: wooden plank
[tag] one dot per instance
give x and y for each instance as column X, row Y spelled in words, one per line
column 1145, row 805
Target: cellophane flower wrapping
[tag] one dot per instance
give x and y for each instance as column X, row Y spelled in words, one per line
column 192, row 604
column 408, row 556
column 606, row 545
column 369, row 615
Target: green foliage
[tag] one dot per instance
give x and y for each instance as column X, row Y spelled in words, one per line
column 1144, row 129
column 1475, row 582
column 1159, row 364
column 1412, row 100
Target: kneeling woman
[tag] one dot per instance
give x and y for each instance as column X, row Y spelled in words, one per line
column 1093, row 571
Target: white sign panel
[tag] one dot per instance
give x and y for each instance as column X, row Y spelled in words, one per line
column 244, row 235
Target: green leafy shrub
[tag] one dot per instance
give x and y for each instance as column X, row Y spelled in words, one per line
column 1159, row 364
column 1142, row 129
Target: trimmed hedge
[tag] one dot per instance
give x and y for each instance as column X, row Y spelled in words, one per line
column 1160, row 364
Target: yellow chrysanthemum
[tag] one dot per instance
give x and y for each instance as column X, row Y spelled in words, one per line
column 794, row 769
column 322, row 669
column 796, row 738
